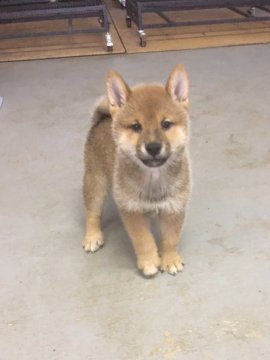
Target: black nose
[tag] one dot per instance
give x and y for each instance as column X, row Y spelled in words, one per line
column 153, row 148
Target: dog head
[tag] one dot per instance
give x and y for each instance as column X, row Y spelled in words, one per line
column 150, row 122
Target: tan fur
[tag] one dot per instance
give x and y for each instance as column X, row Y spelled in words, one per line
column 117, row 156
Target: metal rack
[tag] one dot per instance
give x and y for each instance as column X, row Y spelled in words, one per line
column 136, row 9
column 21, row 11
column 122, row 3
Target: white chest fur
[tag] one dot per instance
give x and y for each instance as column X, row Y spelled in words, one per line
column 155, row 191
column 155, row 185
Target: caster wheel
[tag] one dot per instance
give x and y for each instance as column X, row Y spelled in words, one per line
column 109, row 42
column 142, row 42
column 128, row 22
column 100, row 21
column 252, row 11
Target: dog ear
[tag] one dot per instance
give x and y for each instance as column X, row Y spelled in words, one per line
column 117, row 90
column 177, row 84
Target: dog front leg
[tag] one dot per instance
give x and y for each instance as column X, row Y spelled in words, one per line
column 138, row 228
column 170, row 227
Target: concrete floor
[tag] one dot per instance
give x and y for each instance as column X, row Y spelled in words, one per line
column 57, row 302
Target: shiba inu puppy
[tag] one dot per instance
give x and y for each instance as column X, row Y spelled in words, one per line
column 138, row 145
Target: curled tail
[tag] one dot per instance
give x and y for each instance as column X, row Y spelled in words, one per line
column 101, row 112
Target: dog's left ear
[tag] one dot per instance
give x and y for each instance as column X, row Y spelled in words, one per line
column 177, row 84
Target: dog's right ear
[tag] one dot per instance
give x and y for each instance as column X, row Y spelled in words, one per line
column 118, row 91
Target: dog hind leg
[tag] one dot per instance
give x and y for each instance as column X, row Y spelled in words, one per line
column 95, row 190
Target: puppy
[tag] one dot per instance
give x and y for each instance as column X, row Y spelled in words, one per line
column 138, row 145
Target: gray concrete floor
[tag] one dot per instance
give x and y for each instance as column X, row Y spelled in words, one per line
column 57, row 302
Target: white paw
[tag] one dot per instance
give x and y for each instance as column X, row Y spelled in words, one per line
column 171, row 263
column 92, row 243
column 149, row 266
column 150, row 271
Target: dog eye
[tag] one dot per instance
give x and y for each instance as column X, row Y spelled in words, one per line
column 166, row 124
column 136, row 127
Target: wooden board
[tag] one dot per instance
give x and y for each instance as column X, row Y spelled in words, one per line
column 127, row 40
column 191, row 37
column 44, row 47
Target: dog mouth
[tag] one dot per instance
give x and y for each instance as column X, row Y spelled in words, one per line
column 154, row 162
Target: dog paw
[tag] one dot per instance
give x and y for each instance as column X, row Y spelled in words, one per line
column 171, row 263
column 93, row 242
column 150, row 266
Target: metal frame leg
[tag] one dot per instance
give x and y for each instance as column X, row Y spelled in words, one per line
column 109, row 42
column 252, row 11
column 128, row 21
column 142, row 36
column 141, row 31
column 106, row 26
column 129, row 14
column 122, row 3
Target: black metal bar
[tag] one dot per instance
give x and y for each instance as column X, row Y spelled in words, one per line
column 264, row 8
column 47, row 14
column 206, row 22
column 140, row 15
column 42, row 33
column 164, row 5
column 189, row 4
column 59, row 3
column 42, row 5
column 239, row 12
column 106, row 24
column 164, row 17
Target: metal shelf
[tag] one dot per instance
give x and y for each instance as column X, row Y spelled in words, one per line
column 21, row 11
column 136, row 9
